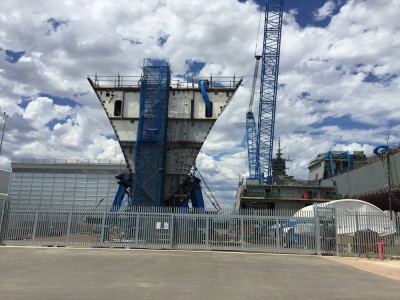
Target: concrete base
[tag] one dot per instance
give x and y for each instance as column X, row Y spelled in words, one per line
column 67, row 273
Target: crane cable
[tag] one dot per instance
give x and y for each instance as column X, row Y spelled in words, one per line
column 105, row 195
column 211, row 197
column 253, row 87
column 258, row 33
column 256, row 67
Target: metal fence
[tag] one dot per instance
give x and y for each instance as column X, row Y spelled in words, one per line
column 322, row 231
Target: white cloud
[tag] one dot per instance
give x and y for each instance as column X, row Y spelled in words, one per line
column 325, row 11
column 347, row 70
column 41, row 110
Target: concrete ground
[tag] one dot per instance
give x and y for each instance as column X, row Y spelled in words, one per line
column 67, row 273
column 387, row 268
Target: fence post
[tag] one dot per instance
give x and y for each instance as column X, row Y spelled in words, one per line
column 69, row 226
column 207, row 230
column 2, row 228
column 317, row 230
column 358, row 235
column 241, row 233
column 35, row 226
column 103, row 222
column 277, row 233
column 137, row 230
column 336, row 232
column 171, row 231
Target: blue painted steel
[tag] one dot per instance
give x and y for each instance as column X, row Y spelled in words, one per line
column 119, row 197
column 329, row 155
column 148, row 181
column 251, row 137
column 197, row 197
column 268, row 87
column 124, row 183
column 379, row 154
column 348, row 158
column 203, row 90
column 185, row 204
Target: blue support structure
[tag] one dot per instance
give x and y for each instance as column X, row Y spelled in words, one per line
column 124, row 182
column 329, row 155
column 119, row 198
column 148, row 181
column 268, row 87
column 197, row 197
column 379, row 150
column 203, row 89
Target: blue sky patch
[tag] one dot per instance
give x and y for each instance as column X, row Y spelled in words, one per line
column 24, row 102
column 298, row 131
column 385, row 79
column 13, row 57
column 156, row 62
column 304, row 95
column 343, row 122
column 53, row 122
column 194, row 67
column 305, row 11
column 111, row 137
column 55, row 24
column 56, row 100
column 162, row 39
column 371, row 78
column 60, row 100
column 322, row 101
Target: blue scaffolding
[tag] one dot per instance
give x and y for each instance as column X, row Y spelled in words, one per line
column 148, row 180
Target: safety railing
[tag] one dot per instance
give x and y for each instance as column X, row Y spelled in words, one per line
column 318, row 232
column 218, row 82
column 67, row 161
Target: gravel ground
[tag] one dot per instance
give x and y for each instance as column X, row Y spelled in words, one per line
column 386, row 268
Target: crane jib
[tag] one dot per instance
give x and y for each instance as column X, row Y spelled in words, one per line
column 260, row 156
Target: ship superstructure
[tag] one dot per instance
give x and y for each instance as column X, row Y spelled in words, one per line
column 161, row 125
column 335, row 162
column 285, row 192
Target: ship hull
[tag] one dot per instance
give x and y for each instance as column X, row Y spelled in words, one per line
column 370, row 183
column 189, row 121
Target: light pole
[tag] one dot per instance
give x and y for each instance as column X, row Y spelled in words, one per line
column 5, row 116
column 389, row 171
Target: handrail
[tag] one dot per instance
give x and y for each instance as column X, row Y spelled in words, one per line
column 118, row 81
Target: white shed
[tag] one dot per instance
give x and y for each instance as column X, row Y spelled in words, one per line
column 350, row 215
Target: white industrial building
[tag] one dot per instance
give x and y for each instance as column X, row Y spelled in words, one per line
column 69, row 182
column 4, row 184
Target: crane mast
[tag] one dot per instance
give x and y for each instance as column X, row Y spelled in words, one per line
column 262, row 160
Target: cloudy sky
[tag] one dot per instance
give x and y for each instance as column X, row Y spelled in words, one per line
column 339, row 67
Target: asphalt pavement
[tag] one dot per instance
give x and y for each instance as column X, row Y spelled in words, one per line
column 68, row 273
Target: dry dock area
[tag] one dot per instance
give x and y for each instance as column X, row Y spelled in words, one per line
column 67, row 273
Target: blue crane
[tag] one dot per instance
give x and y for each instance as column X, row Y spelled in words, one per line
column 260, row 141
